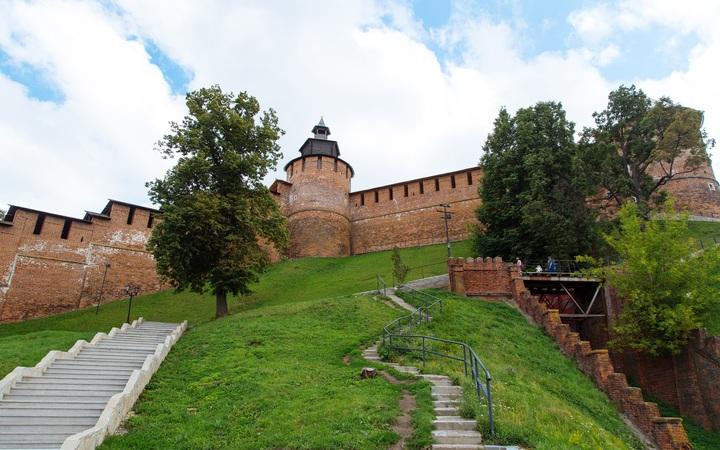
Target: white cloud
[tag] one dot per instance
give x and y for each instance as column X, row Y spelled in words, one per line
column 396, row 110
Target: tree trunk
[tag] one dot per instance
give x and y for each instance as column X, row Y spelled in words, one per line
column 221, row 308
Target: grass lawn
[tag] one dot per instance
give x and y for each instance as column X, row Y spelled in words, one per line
column 286, row 282
column 707, row 232
column 271, row 377
column 541, row 399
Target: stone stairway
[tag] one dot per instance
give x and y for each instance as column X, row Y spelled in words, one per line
column 451, row 432
column 68, row 396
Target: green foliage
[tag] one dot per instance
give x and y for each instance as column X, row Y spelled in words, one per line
column 400, row 270
column 668, row 286
column 541, row 399
column 638, row 145
column 216, row 212
column 534, row 189
column 2, row 213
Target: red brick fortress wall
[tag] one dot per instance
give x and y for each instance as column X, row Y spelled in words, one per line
column 406, row 214
column 489, row 277
column 53, row 272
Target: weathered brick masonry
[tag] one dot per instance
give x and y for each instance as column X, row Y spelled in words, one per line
column 468, row 275
column 51, row 263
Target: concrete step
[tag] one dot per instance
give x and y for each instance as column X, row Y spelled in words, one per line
column 87, row 391
column 458, row 447
column 64, row 378
column 51, row 412
column 454, row 423
column 44, row 403
column 449, row 411
column 456, row 437
column 30, row 446
column 40, row 429
column 39, row 442
column 428, row 376
column 60, row 397
column 441, row 382
column 87, row 420
column 125, row 371
column 110, row 358
column 70, row 385
column 121, row 348
column 95, row 365
column 446, row 390
column 446, row 403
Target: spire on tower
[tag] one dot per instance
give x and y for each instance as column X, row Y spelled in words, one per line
column 321, row 131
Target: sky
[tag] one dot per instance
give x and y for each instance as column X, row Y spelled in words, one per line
column 408, row 88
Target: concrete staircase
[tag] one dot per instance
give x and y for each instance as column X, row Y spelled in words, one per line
column 42, row 411
column 451, row 432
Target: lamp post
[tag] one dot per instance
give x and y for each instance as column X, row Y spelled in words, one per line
column 447, row 216
column 131, row 290
column 102, row 286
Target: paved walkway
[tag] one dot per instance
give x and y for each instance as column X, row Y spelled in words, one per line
column 41, row 412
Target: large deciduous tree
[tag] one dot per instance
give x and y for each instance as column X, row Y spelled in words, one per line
column 217, row 216
column 533, row 190
column 638, row 145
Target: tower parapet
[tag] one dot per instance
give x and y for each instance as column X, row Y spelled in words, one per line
column 318, row 199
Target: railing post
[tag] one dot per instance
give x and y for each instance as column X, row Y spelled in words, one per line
column 490, row 408
column 465, row 359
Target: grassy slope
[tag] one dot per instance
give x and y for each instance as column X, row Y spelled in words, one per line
column 272, row 377
column 288, row 281
column 541, row 399
column 707, row 232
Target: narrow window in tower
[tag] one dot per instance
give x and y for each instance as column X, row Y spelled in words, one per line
column 362, row 199
column 66, row 229
column 302, row 169
column 39, row 223
column 422, row 187
column 319, row 162
column 390, row 192
column 131, row 215
column 437, row 184
column 405, row 187
column 452, row 181
column 336, row 165
column 377, row 196
column 150, row 220
column 469, row 175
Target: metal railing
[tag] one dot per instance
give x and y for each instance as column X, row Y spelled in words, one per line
column 381, row 285
column 396, row 337
column 558, row 267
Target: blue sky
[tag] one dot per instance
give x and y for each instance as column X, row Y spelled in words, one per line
column 87, row 88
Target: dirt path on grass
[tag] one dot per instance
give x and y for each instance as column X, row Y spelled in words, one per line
column 403, row 427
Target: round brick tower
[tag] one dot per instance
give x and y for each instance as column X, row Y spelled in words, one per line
column 318, row 201
column 696, row 192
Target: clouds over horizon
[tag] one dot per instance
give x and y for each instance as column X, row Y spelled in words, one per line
column 403, row 100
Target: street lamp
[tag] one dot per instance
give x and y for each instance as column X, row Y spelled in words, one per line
column 131, row 290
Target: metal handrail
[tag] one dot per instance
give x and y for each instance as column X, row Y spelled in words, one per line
column 469, row 359
column 381, row 285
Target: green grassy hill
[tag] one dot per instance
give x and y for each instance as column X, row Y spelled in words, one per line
column 541, row 399
column 275, row 374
